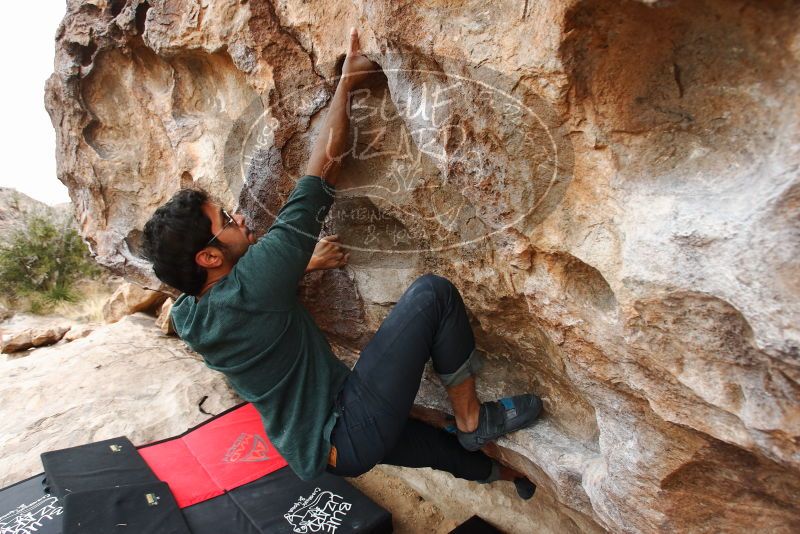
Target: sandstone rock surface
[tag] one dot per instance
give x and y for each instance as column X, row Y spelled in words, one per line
column 40, row 338
column 131, row 298
column 122, row 379
column 79, row 331
column 32, row 337
column 613, row 185
column 163, row 321
column 17, row 341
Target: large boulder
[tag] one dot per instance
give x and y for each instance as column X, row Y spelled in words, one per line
column 613, row 185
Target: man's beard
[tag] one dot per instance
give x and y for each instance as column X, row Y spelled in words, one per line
column 229, row 254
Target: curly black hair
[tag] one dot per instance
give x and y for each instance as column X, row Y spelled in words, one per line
column 175, row 233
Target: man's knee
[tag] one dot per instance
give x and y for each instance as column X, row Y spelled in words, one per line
column 434, row 289
column 438, row 284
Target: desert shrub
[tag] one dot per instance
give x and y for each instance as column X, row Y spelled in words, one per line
column 40, row 264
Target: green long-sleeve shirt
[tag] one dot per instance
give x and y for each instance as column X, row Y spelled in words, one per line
column 251, row 327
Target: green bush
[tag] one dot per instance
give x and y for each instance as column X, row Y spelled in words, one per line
column 42, row 262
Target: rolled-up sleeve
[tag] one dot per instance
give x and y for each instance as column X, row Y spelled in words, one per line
column 274, row 265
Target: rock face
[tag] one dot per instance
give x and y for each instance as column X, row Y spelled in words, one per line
column 613, row 185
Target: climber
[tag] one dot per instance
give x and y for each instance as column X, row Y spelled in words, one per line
column 239, row 310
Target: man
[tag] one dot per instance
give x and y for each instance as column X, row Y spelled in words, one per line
column 239, row 310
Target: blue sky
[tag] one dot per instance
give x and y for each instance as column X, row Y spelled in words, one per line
column 27, row 139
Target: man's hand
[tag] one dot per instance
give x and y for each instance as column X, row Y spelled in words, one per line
column 328, row 254
column 357, row 68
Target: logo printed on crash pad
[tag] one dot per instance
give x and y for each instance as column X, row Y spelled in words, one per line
column 248, row 448
column 322, row 511
column 28, row 518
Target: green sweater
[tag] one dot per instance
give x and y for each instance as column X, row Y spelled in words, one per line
column 251, row 327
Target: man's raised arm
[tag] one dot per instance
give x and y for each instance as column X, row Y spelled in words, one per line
column 273, row 266
column 331, row 145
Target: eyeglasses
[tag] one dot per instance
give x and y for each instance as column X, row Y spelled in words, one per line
column 229, row 221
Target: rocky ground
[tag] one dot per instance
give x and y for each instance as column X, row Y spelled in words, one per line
column 411, row 514
column 129, row 378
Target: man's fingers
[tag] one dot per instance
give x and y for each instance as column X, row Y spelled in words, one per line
column 353, row 41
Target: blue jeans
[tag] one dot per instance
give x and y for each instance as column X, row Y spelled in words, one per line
column 429, row 321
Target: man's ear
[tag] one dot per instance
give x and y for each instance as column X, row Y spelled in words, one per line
column 209, row 258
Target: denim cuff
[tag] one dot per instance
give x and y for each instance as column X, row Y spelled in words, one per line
column 468, row 368
column 493, row 475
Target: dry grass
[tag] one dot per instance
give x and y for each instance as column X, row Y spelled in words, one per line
column 93, row 294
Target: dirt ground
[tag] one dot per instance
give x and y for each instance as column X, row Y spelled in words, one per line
column 411, row 514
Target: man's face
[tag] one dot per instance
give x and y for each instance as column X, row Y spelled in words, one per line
column 236, row 237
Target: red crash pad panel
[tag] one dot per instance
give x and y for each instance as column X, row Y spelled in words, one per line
column 220, row 455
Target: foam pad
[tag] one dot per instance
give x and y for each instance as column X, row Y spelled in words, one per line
column 94, row 466
column 24, row 508
column 135, row 508
column 223, row 476
column 227, row 477
column 281, row 503
column 223, row 453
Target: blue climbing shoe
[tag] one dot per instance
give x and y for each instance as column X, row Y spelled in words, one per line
column 501, row 417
